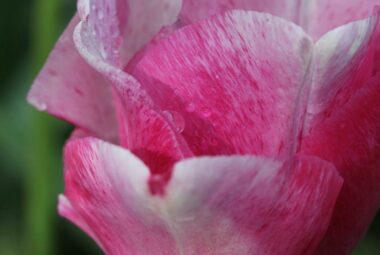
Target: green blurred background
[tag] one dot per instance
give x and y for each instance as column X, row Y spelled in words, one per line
column 31, row 142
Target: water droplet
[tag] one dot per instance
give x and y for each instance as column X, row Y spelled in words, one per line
column 214, row 142
column 206, row 112
column 176, row 119
column 41, row 106
column 100, row 15
column 185, row 218
column 103, row 52
column 190, row 107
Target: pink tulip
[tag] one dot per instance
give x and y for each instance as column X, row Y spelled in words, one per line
column 205, row 127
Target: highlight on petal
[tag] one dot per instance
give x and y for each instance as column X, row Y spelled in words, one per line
column 212, row 205
column 69, row 88
column 236, row 79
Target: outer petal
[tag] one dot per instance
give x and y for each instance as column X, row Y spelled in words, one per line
column 350, row 139
column 249, row 205
column 342, row 127
column 223, row 205
column 107, row 194
column 70, row 89
column 235, row 79
column 143, row 129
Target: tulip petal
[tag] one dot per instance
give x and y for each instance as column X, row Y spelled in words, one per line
column 107, row 189
column 343, row 61
column 143, row 129
column 120, row 28
column 316, row 17
column 350, row 140
column 342, row 113
column 212, row 205
column 321, row 16
column 69, row 88
column 195, row 10
column 235, row 79
column 251, row 205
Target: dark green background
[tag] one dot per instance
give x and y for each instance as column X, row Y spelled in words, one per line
column 31, row 142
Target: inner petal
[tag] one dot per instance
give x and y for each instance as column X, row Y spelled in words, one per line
column 235, row 79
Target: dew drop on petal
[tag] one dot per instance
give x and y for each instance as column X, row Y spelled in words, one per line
column 190, row 107
column 41, row 106
column 176, row 119
column 100, row 15
column 206, row 112
column 214, row 141
column 185, row 218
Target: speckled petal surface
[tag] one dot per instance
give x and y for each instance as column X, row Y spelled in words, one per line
column 106, row 188
column 212, row 205
column 235, row 79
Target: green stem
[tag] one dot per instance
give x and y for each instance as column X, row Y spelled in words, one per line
column 41, row 200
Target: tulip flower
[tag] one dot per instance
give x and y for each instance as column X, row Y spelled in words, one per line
column 219, row 127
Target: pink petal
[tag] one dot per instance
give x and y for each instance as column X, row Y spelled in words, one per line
column 148, row 134
column 221, row 205
column 251, row 205
column 343, row 61
column 322, row 16
column 119, row 28
column 235, row 80
column 350, row 140
column 66, row 210
column 107, row 189
column 69, row 88
column 195, row 10
column 340, row 127
column 143, row 129
column 315, row 17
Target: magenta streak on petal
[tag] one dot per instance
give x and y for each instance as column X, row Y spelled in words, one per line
column 203, row 211
column 235, row 78
column 107, row 187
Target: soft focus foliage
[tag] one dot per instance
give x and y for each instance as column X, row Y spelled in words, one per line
column 31, row 142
